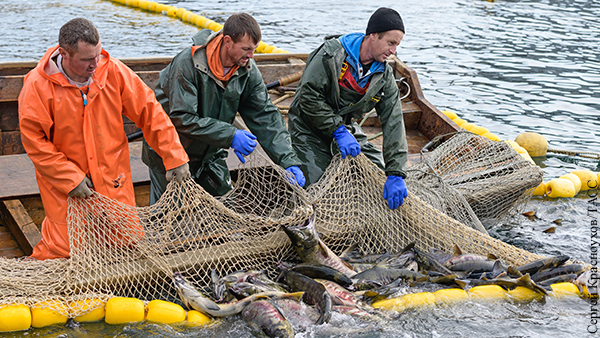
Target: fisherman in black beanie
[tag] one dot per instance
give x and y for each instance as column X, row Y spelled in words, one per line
column 384, row 19
column 343, row 79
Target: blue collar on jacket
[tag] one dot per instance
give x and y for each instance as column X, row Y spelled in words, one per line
column 351, row 43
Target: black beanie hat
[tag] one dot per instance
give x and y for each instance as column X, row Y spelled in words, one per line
column 384, row 19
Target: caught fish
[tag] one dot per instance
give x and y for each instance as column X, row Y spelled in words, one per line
column 265, row 317
column 385, row 276
column 428, row 263
column 314, row 293
column 320, row 271
column 341, row 296
column 298, row 314
column 218, row 286
column 587, row 283
column 194, row 299
column 543, row 264
column 558, row 279
column 504, row 281
column 463, row 262
column 312, row 250
column 352, row 311
column 562, row 270
column 245, row 289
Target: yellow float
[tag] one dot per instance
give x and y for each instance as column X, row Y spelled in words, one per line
column 164, row 312
column 525, row 295
column 575, row 179
column 540, row 190
column 198, row 318
column 491, row 136
column 459, row 122
column 451, row 115
column 96, row 314
column 560, row 187
column 535, row 144
column 560, row 290
column 122, row 310
column 589, row 179
column 479, row 130
column 44, row 313
column 488, row 292
column 15, row 317
column 450, row 296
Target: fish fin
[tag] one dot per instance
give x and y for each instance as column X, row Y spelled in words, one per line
column 497, row 269
column 211, row 305
column 346, row 253
column 461, row 283
column 457, row 251
column 492, row 257
column 335, row 300
column 295, row 295
column 409, row 247
column 512, row 271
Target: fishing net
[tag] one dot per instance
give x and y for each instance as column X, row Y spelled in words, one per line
column 490, row 176
column 119, row 250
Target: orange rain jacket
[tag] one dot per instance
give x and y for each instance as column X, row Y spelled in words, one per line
column 67, row 140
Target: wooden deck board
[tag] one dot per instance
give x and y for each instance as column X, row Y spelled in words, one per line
column 22, row 227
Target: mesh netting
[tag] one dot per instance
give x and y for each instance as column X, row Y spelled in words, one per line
column 490, row 176
column 119, row 250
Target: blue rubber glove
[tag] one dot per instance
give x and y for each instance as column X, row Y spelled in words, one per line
column 346, row 142
column 394, row 191
column 298, row 175
column 243, row 144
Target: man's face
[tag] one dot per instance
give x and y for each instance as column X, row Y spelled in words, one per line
column 82, row 64
column 384, row 44
column 239, row 53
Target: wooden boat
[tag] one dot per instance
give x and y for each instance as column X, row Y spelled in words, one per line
column 20, row 204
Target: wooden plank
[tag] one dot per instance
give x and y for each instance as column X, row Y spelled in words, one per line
column 9, row 115
column 10, row 143
column 20, row 224
column 10, row 87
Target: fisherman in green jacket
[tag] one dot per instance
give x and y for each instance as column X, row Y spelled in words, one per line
column 345, row 78
column 202, row 89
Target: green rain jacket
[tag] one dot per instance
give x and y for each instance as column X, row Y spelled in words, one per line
column 321, row 106
column 203, row 109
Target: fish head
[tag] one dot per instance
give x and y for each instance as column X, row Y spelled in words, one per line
column 185, row 290
column 303, row 236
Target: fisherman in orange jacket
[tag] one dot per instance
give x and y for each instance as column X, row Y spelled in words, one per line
column 71, row 112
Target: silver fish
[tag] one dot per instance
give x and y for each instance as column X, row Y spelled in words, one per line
column 194, row 299
column 312, row 250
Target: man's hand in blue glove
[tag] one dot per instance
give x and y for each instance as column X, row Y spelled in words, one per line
column 346, row 142
column 298, row 175
column 243, row 144
column 394, row 191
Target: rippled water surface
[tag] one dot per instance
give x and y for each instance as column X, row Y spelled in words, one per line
column 510, row 66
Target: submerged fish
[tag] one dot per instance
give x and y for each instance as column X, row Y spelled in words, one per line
column 562, row 270
column 320, row 271
column 543, row 264
column 558, row 279
column 312, row 250
column 265, row 317
column 468, row 262
column 385, row 276
column 194, row 299
column 300, row 315
column 505, row 281
column 314, row 293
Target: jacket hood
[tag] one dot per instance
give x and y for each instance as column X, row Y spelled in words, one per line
column 48, row 68
column 351, row 43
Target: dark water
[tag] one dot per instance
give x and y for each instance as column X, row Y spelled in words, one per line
column 510, row 66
